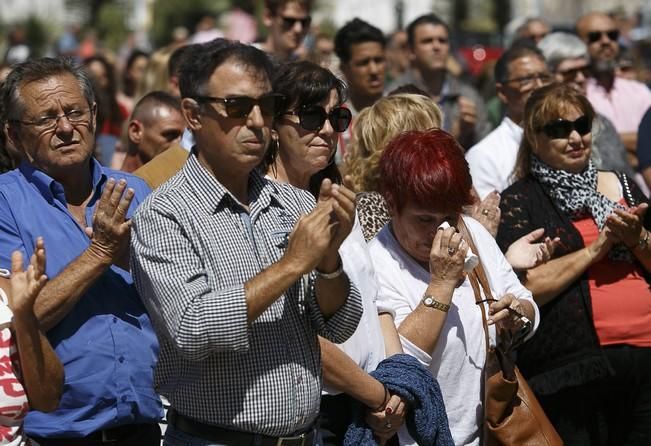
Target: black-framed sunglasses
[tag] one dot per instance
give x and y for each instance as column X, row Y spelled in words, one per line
column 595, row 36
column 239, row 107
column 289, row 22
column 561, row 128
column 313, row 118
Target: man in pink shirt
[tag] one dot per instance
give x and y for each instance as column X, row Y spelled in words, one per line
column 622, row 101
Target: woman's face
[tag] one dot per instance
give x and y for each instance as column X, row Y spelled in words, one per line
column 307, row 151
column 570, row 153
column 415, row 226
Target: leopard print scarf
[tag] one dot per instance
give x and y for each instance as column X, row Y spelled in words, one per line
column 576, row 194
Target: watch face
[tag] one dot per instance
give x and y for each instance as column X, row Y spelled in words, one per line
column 428, row 301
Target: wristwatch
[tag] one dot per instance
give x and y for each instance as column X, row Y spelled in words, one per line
column 430, row 301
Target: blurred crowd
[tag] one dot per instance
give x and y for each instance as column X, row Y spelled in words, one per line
column 317, row 239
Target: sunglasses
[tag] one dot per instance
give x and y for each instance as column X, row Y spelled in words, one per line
column 239, row 107
column 561, row 128
column 313, row 118
column 573, row 72
column 595, row 36
column 290, row 22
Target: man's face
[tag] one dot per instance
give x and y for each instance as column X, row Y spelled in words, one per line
column 535, row 30
column 230, row 142
column 53, row 143
column 573, row 72
column 156, row 134
column 288, row 26
column 600, row 33
column 431, row 47
column 525, row 75
column 365, row 69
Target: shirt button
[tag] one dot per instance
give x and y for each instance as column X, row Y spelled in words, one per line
column 121, row 359
column 124, row 398
column 115, row 320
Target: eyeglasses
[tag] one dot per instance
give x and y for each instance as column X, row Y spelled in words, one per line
column 561, row 128
column 573, row 72
column 239, row 107
column 312, row 118
column 595, row 36
column 290, row 22
column 530, row 80
column 45, row 123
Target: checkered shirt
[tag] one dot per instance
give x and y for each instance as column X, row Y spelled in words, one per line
column 193, row 247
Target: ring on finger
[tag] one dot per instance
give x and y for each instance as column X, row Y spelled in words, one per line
column 388, row 425
column 451, row 251
column 484, row 211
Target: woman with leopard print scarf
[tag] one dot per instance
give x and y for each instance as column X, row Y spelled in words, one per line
column 590, row 361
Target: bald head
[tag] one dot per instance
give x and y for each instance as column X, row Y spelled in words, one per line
column 156, row 123
column 600, row 34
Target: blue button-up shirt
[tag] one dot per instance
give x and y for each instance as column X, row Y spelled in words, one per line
column 106, row 343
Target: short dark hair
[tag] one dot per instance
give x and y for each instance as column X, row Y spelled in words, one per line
column 518, row 51
column 152, row 99
column 274, row 5
column 178, row 56
column 195, row 71
column 305, row 83
column 37, row 69
column 431, row 19
column 354, row 32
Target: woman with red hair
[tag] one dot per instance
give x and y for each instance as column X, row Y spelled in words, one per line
column 420, row 268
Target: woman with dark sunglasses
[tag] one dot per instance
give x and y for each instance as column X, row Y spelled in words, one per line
column 590, row 361
column 307, row 129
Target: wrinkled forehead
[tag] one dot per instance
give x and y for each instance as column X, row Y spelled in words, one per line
column 43, row 93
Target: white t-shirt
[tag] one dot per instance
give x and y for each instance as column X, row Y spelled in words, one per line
column 366, row 345
column 492, row 159
column 458, row 359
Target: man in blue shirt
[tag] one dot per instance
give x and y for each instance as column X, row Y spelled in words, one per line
column 92, row 314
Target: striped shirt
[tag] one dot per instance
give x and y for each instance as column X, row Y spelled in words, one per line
column 193, row 248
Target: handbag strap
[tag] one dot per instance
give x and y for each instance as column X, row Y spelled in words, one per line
column 477, row 278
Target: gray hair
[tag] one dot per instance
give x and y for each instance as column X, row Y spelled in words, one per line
column 38, row 69
column 560, row 46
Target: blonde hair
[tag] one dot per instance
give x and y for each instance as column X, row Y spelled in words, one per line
column 156, row 77
column 377, row 125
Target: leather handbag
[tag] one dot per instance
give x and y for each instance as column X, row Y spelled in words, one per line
column 512, row 414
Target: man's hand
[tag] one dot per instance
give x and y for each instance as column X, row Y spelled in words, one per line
column 342, row 200
column 463, row 128
column 110, row 233
column 25, row 285
column 310, row 238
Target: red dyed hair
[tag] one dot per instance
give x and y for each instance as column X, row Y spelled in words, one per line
column 428, row 168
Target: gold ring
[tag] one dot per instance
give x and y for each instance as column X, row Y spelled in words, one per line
column 484, row 211
column 451, row 251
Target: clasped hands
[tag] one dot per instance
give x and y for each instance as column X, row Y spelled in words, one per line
column 317, row 236
column 621, row 226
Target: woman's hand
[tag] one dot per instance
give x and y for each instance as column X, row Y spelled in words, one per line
column 387, row 422
column 626, row 225
column 506, row 312
column 25, row 285
column 488, row 213
column 600, row 247
column 447, row 257
column 526, row 253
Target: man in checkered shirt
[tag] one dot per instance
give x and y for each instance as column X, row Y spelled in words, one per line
column 240, row 273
